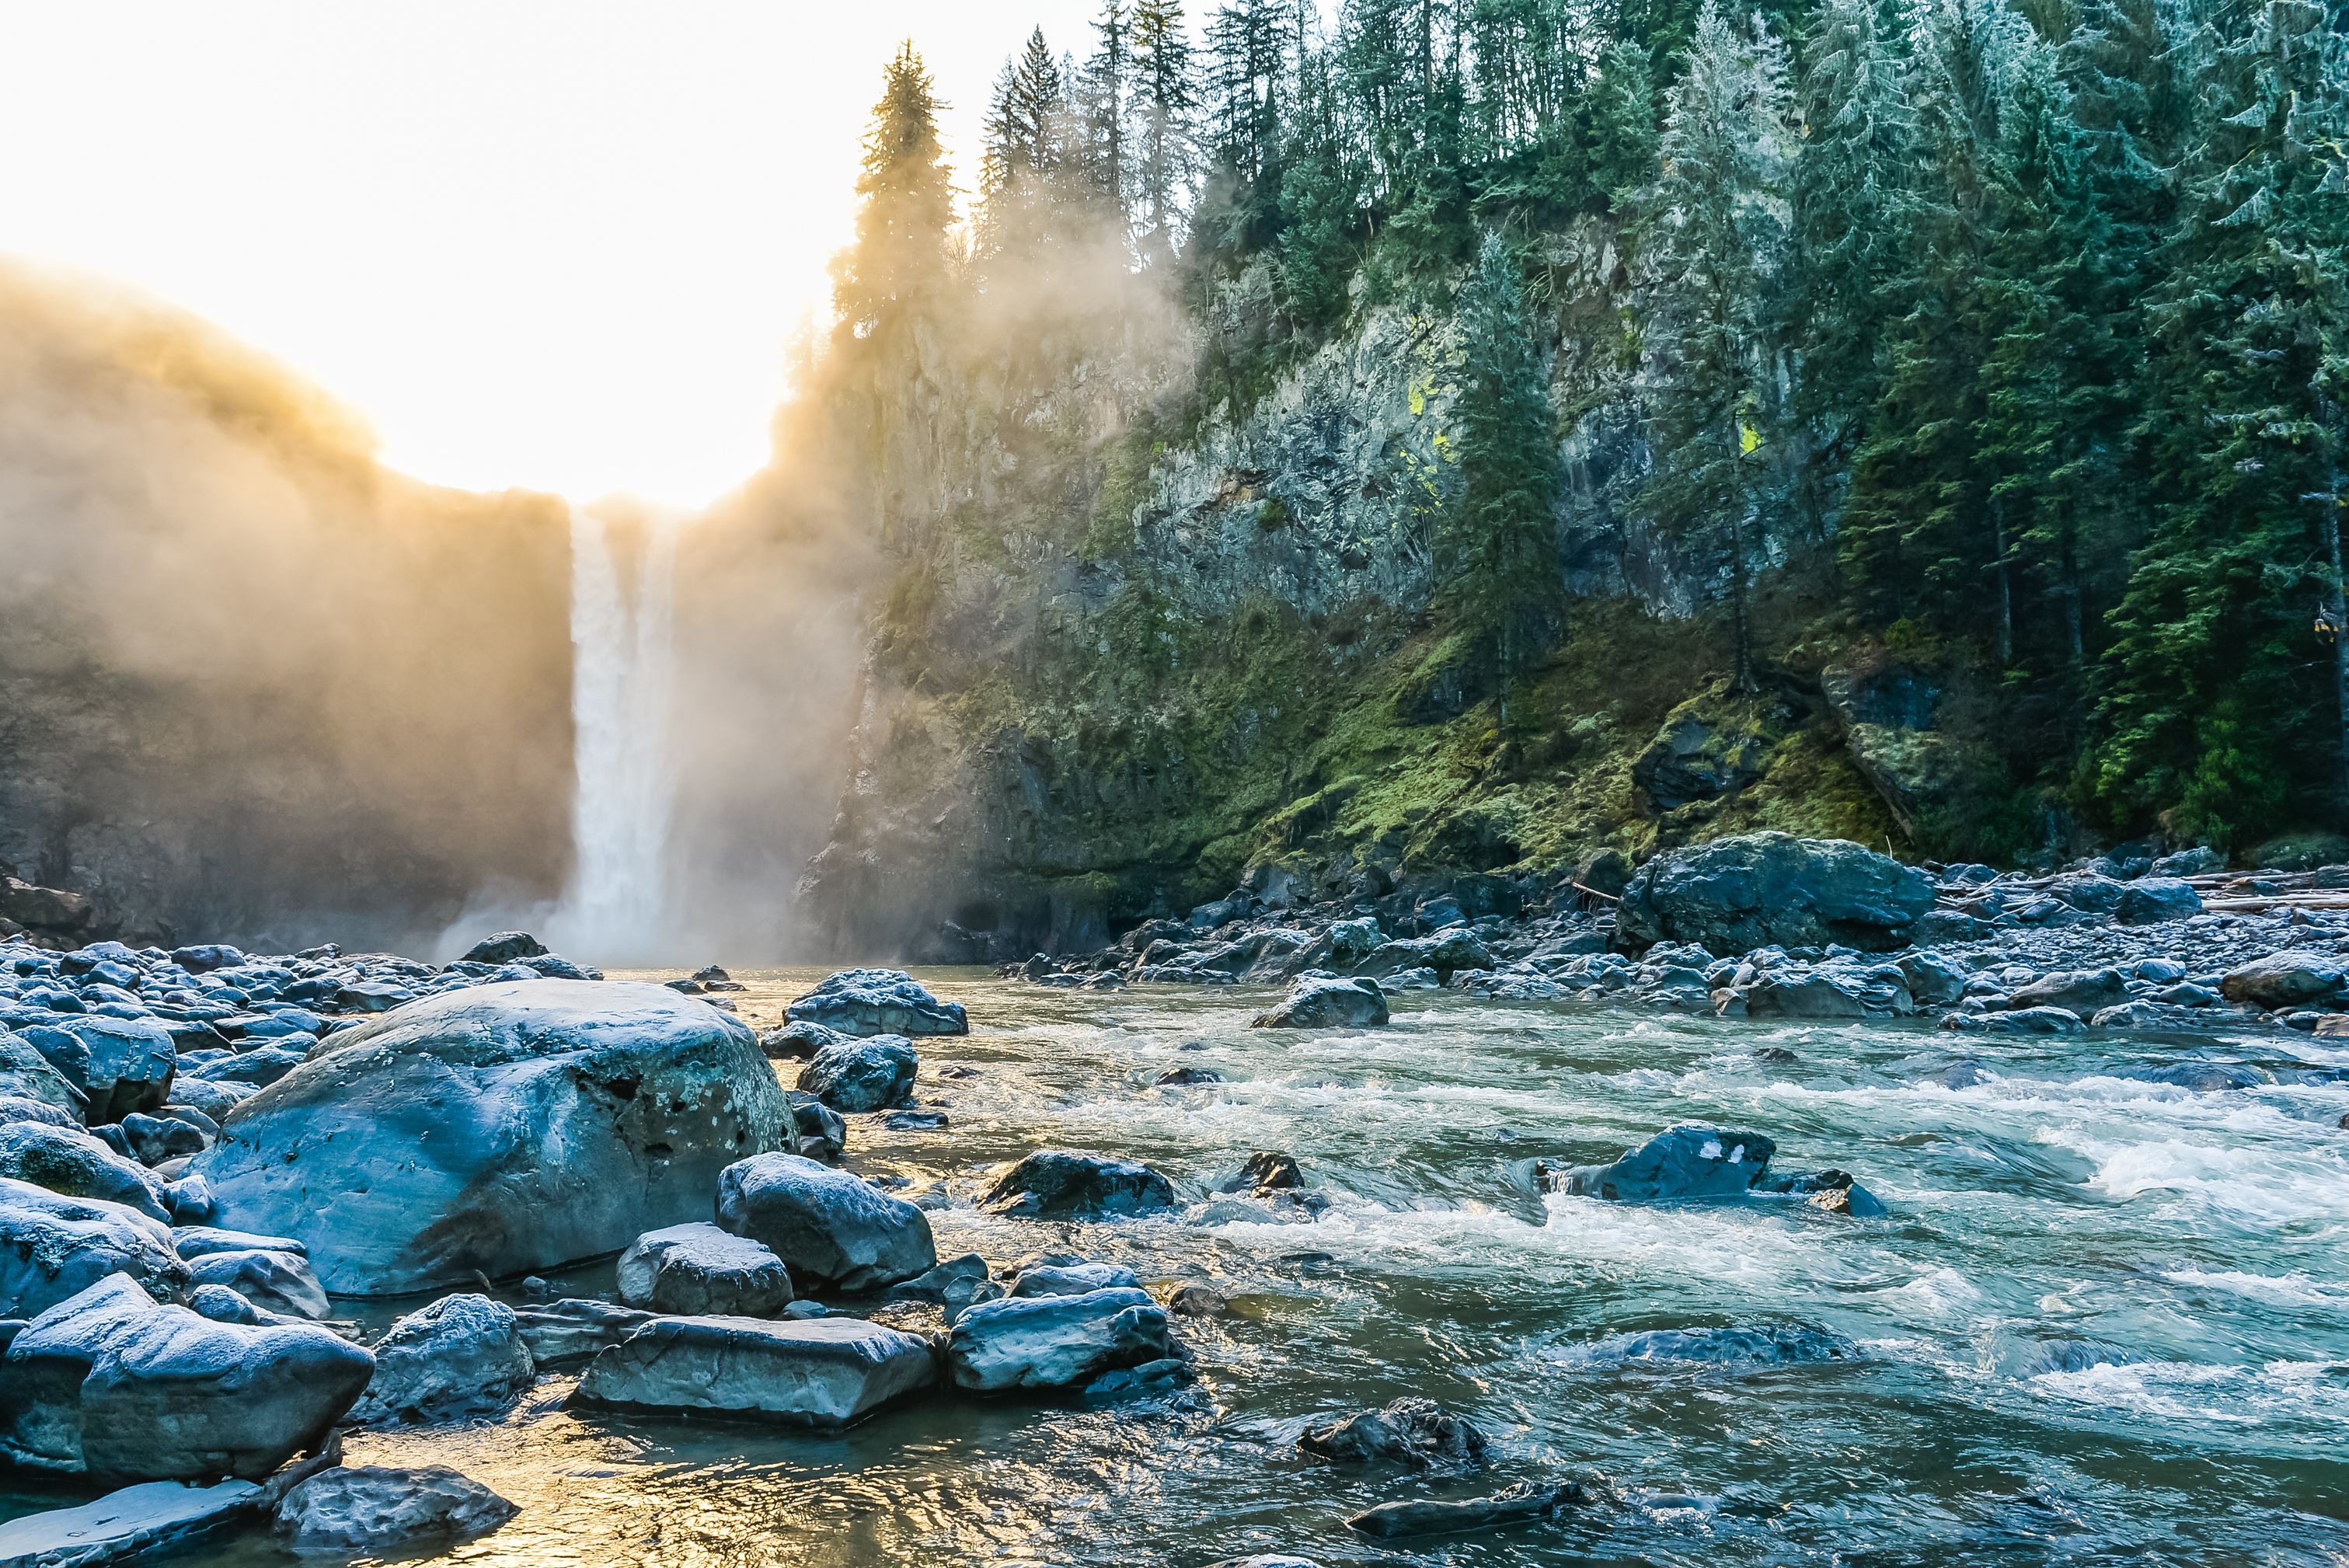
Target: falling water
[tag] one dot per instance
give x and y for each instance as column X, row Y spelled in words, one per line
column 621, row 676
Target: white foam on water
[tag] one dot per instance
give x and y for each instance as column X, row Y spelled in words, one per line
column 2285, row 1290
column 2203, row 1393
column 2264, row 1183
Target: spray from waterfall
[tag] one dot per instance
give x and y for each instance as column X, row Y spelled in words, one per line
column 623, row 683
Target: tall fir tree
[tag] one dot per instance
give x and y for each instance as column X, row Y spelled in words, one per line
column 906, row 206
column 1715, row 235
column 1163, row 103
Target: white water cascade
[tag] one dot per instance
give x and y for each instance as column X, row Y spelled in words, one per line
column 623, row 676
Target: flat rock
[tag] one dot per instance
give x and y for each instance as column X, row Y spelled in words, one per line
column 114, row 1385
column 53, row 1247
column 878, row 1002
column 1520, row 1504
column 154, row 1516
column 459, row 1358
column 827, row 1372
column 699, row 1269
column 563, row 1333
column 826, row 1225
column 1055, row 1184
column 1073, row 1279
column 862, row 1075
column 2016, row 1021
column 505, row 1129
column 375, row 1509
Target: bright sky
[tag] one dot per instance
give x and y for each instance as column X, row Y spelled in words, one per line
column 555, row 244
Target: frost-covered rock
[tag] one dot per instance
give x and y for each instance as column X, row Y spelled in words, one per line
column 700, row 1269
column 135, row 1522
column 375, row 1510
column 878, row 1002
column 53, row 1247
column 462, row 1357
column 504, row 1129
column 861, row 1075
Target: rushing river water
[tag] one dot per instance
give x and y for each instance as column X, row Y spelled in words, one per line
column 2108, row 1320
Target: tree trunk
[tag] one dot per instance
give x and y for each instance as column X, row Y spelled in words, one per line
column 1742, row 636
column 2006, row 585
column 2339, row 622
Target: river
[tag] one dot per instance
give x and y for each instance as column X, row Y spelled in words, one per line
column 2107, row 1319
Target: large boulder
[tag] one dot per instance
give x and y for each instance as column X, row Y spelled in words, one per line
column 2150, row 901
column 507, row 1128
column 1687, row 1161
column 117, row 1064
column 700, row 1269
column 73, row 1162
column 1054, row 1184
column 859, row 1074
column 824, row 1373
column 826, row 1225
column 463, row 1355
column 1320, row 1003
column 878, row 1002
column 1812, row 996
column 111, row 1384
column 376, row 1511
column 1054, row 1341
column 1735, row 894
column 53, row 1247
column 2291, row 979
column 2082, row 991
column 26, row 1073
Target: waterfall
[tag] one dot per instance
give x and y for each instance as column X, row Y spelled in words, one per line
column 623, row 669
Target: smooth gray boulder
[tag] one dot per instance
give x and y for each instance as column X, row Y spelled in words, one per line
column 855, row 1075
column 504, row 947
column 135, row 1522
column 73, row 1162
column 1933, row 981
column 1734, row 895
column 2017, row 1021
column 53, row 1247
column 2291, row 979
column 1327, row 1004
column 112, row 1384
column 826, row 1373
column 1055, row 1184
column 1812, row 996
column 373, row 1509
column 826, row 1225
column 1054, row 1341
column 2080, row 991
column 1687, row 1161
column 877, row 1002
column 503, row 1130
column 799, row 1041
column 459, row 1358
column 2151, row 900
column 272, row 1281
column 563, row 1333
column 699, row 1269
column 117, row 1064
column 26, row 1075
column 192, row 1242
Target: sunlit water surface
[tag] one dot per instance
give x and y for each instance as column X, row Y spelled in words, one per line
column 2108, row 1320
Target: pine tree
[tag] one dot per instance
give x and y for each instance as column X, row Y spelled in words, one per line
column 1165, row 102
column 2228, row 694
column 1026, row 150
column 1621, row 112
column 898, row 262
column 1715, row 232
column 1105, row 85
column 1503, row 566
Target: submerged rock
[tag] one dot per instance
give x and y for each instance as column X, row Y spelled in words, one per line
column 1055, row 1341
column 1327, row 1004
column 1522, row 1503
column 1054, row 1184
column 878, row 1002
column 826, row 1372
column 2016, row 1021
column 53, row 1247
column 462, row 1357
column 1410, row 1430
column 1690, row 1161
column 861, row 1075
column 700, row 1269
column 502, row 1130
column 114, row 1385
column 826, row 1225
column 373, row 1509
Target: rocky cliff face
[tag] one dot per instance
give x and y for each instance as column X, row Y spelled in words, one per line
column 252, row 686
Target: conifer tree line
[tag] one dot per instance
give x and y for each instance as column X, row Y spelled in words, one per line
column 2030, row 316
